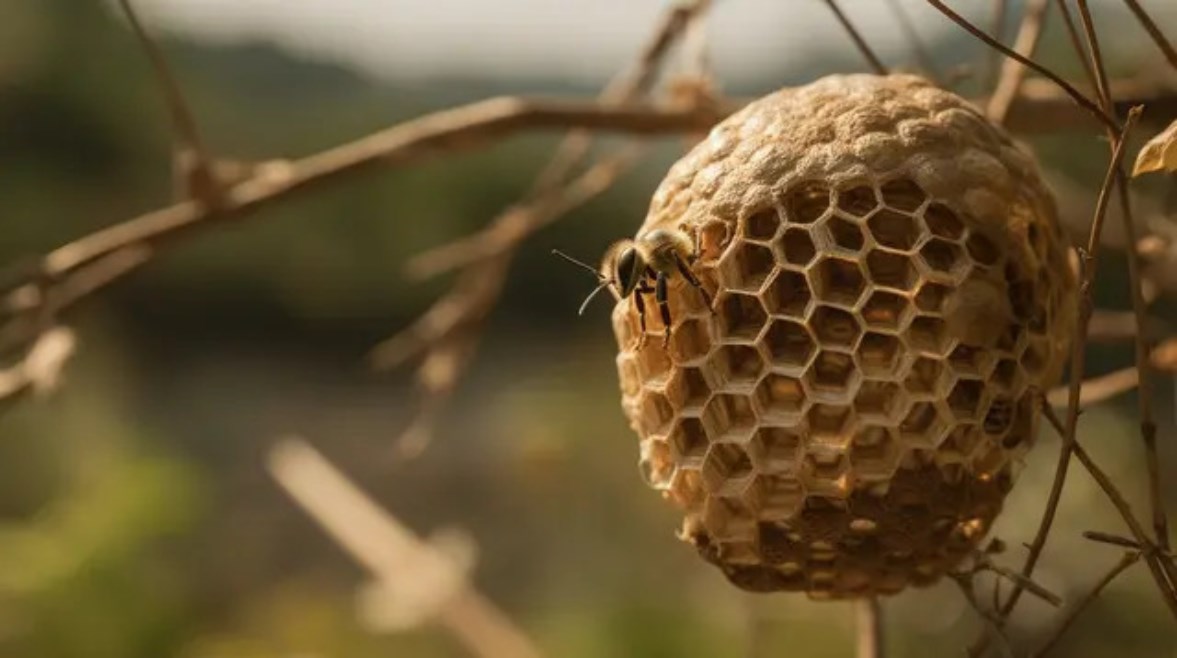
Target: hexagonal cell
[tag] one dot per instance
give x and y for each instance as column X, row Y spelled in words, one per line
column 966, row 398
column 788, row 294
column 829, row 425
column 1005, row 374
column 885, row 310
column 835, row 327
column 923, row 425
column 844, row 234
column 838, row 281
column 780, row 398
column 1000, row 416
column 928, row 334
column 924, row 377
column 729, row 418
column 789, row 344
column 1035, row 357
column 878, row 354
column 970, row 361
column 725, row 468
column 655, row 464
column 656, row 412
column 893, row 229
column 833, row 376
column 627, row 373
column 891, row 270
column 686, row 489
column 826, row 473
column 738, row 366
column 903, row 194
column 777, row 498
column 930, row 298
column 762, row 225
column 746, row 266
column 775, row 450
column 741, row 317
column 806, row 202
column 943, row 222
column 796, row 247
column 941, row 256
column 858, row 200
column 653, row 363
column 688, row 439
column 874, row 454
column 881, row 401
column 728, row 518
column 690, row 341
column 688, row 389
column 982, row 249
column 959, row 445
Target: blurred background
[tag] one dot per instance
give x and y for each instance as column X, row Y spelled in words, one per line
column 136, row 516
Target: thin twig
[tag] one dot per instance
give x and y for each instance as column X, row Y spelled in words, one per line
column 1076, row 41
column 1070, row 90
column 1127, row 560
column 869, row 628
column 999, row 12
column 863, row 48
column 1153, row 31
column 911, row 37
column 1013, row 71
column 1097, row 389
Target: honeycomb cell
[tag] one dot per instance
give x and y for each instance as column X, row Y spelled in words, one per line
column 903, row 194
column 656, row 464
column 746, row 266
column 775, row 450
column 858, row 200
column 838, row 281
column 714, row 237
column 653, row 364
column 777, row 498
column 891, row 270
column 1035, row 357
column 729, row 418
column 970, row 361
column 1005, row 375
column 844, row 234
column 741, row 317
column 725, row 465
column 885, row 310
column 878, row 354
column 780, row 398
column 929, row 334
column 999, row 418
column 958, row 447
column 924, row 377
column 835, row 327
column 688, row 389
column 879, row 401
column 728, row 519
column 627, row 372
column 830, row 425
column 796, row 247
column 688, row 439
column 943, row 222
column 686, row 489
column 893, row 229
column 931, row 296
column 656, row 412
column 788, row 294
column 923, row 425
column 738, row 366
column 966, row 398
column 982, row 249
column 941, row 256
column 826, row 473
column 807, row 202
column 874, row 453
column 790, row 344
column 690, row 341
column 762, row 225
column 832, row 376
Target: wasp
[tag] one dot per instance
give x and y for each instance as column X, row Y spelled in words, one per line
column 645, row 265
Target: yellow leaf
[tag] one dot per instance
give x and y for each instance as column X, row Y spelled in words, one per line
column 1159, row 153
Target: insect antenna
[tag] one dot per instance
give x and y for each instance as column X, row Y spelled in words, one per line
column 604, row 281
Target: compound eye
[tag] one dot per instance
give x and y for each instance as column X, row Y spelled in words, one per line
column 628, row 270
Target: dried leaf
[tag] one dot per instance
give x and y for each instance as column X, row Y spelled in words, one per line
column 1160, row 153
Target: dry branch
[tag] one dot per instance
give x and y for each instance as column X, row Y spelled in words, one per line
column 1013, row 72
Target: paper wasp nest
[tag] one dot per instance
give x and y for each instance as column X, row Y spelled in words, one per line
column 891, row 285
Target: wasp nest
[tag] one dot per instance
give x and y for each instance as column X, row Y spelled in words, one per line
column 891, row 287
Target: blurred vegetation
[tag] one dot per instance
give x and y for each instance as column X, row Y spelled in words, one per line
column 135, row 517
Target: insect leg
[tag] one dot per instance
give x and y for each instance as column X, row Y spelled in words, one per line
column 690, row 277
column 663, row 306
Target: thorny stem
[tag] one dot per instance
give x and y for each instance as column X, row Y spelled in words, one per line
column 863, row 48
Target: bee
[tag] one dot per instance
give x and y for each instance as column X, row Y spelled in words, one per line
column 644, row 265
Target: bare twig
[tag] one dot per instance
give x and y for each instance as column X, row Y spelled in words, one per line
column 1153, row 31
column 993, row 623
column 393, row 553
column 911, row 37
column 1097, row 389
column 1013, row 71
column 1076, row 41
column 863, row 48
column 869, row 628
column 999, row 12
column 1127, row 560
